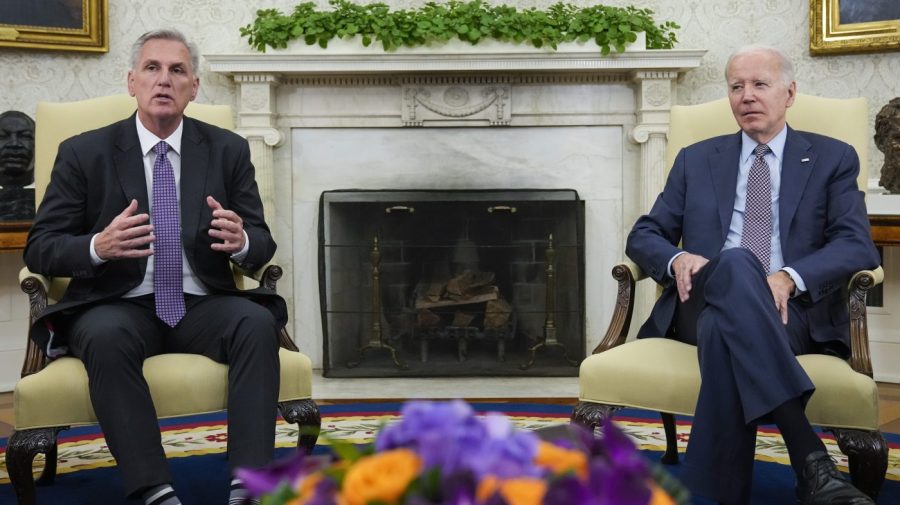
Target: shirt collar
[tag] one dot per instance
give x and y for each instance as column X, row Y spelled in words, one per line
column 149, row 140
column 776, row 144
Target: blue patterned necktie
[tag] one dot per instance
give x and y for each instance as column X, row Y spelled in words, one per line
column 168, row 286
column 757, row 235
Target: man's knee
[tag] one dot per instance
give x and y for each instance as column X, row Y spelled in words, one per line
column 104, row 333
column 254, row 325
column 737, row 265
column 739, row 257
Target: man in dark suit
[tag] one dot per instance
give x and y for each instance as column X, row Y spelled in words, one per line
column 771, row 225
column 146, row 216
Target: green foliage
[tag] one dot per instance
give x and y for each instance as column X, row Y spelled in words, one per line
column 472, row 21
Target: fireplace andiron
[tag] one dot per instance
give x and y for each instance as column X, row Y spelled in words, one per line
column 550, row 321
column 376, row 337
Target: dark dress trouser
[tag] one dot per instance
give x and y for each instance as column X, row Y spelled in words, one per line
column 747, row 369
column 113, row 339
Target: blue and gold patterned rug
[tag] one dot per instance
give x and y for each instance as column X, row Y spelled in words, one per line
column 196, row 445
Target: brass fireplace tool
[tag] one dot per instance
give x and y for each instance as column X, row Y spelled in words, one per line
column 376, row 337
column 550, row 310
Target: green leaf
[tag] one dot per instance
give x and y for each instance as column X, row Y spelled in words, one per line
column 472, row 21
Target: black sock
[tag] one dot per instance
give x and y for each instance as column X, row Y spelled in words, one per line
column 799, row 437
column 162, row 494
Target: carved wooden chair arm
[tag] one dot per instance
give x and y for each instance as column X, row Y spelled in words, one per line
column 860, row 284
column 268, row 276
column 626, row 274
column 36, row 286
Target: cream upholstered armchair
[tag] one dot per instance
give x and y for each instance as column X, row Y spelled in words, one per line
column 53, row 396
column 664, row 375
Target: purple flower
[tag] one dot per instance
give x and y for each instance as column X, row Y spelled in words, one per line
column 621, row 477
column 571, row 491
column 325, row 493
column 449, row 436
column 269, row 478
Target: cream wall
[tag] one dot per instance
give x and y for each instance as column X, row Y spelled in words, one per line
column 717, row 25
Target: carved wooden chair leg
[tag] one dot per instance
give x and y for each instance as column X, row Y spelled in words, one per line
column 49, row 474
column 591, row 415
column 305, row 414
column 21, row 449
column 670, row 457
column 867, row 455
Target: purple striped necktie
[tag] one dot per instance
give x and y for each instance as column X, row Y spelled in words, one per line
column 168, row 285
column 757, row 235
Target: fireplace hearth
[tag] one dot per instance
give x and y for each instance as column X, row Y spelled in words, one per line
column 452, row 283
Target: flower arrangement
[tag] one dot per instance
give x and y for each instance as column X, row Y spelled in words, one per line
column 442, row 453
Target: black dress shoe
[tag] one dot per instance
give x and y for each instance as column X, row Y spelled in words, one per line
column 822, row 484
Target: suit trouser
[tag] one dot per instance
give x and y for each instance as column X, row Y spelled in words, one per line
column 747, row 368
column 114, row 339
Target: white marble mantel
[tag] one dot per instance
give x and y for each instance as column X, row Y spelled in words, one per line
column 485, row 86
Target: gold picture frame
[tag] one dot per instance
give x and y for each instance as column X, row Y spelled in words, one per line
column 63, row 25
column 828, row 35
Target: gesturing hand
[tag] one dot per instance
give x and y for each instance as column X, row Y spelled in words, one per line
column 126, row 236
column 684, row 267
column 226, row 226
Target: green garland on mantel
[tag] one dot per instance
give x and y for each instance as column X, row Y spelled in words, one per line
column 473, row 21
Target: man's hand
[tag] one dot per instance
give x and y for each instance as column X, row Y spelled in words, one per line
column 225, row 226
column 684, row 267
column 782, row 286
column 127, row 236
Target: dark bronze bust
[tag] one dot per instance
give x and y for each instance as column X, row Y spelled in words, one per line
column 887, row 139
column 16, row 166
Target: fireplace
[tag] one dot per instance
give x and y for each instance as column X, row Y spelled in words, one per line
column 483, row 117
column 452, row 283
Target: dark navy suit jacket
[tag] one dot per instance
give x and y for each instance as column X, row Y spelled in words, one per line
column 824, row 228
column 96, row 175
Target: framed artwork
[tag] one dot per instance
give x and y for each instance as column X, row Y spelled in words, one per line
column 853, row 26
column 65, row 25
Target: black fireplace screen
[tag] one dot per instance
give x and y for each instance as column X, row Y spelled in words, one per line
column 452, row 283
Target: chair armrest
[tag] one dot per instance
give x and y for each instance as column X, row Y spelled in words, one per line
column 36, row 286
column 626, row 274
column 860, row 284
column 635, row 270
column 267, row 276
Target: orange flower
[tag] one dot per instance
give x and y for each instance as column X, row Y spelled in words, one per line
column 306, row 489
column 518, row 491
column 560, row 460
column 659, row 497
column 381, row 477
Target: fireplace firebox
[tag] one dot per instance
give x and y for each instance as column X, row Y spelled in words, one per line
column 451, row 283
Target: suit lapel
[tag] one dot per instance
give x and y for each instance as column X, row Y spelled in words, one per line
column 194, row 173
column 723, row 169
column 129, row 163
column 796, row 168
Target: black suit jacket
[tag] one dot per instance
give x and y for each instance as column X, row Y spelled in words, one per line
column 97, row 174
column 823, row 226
